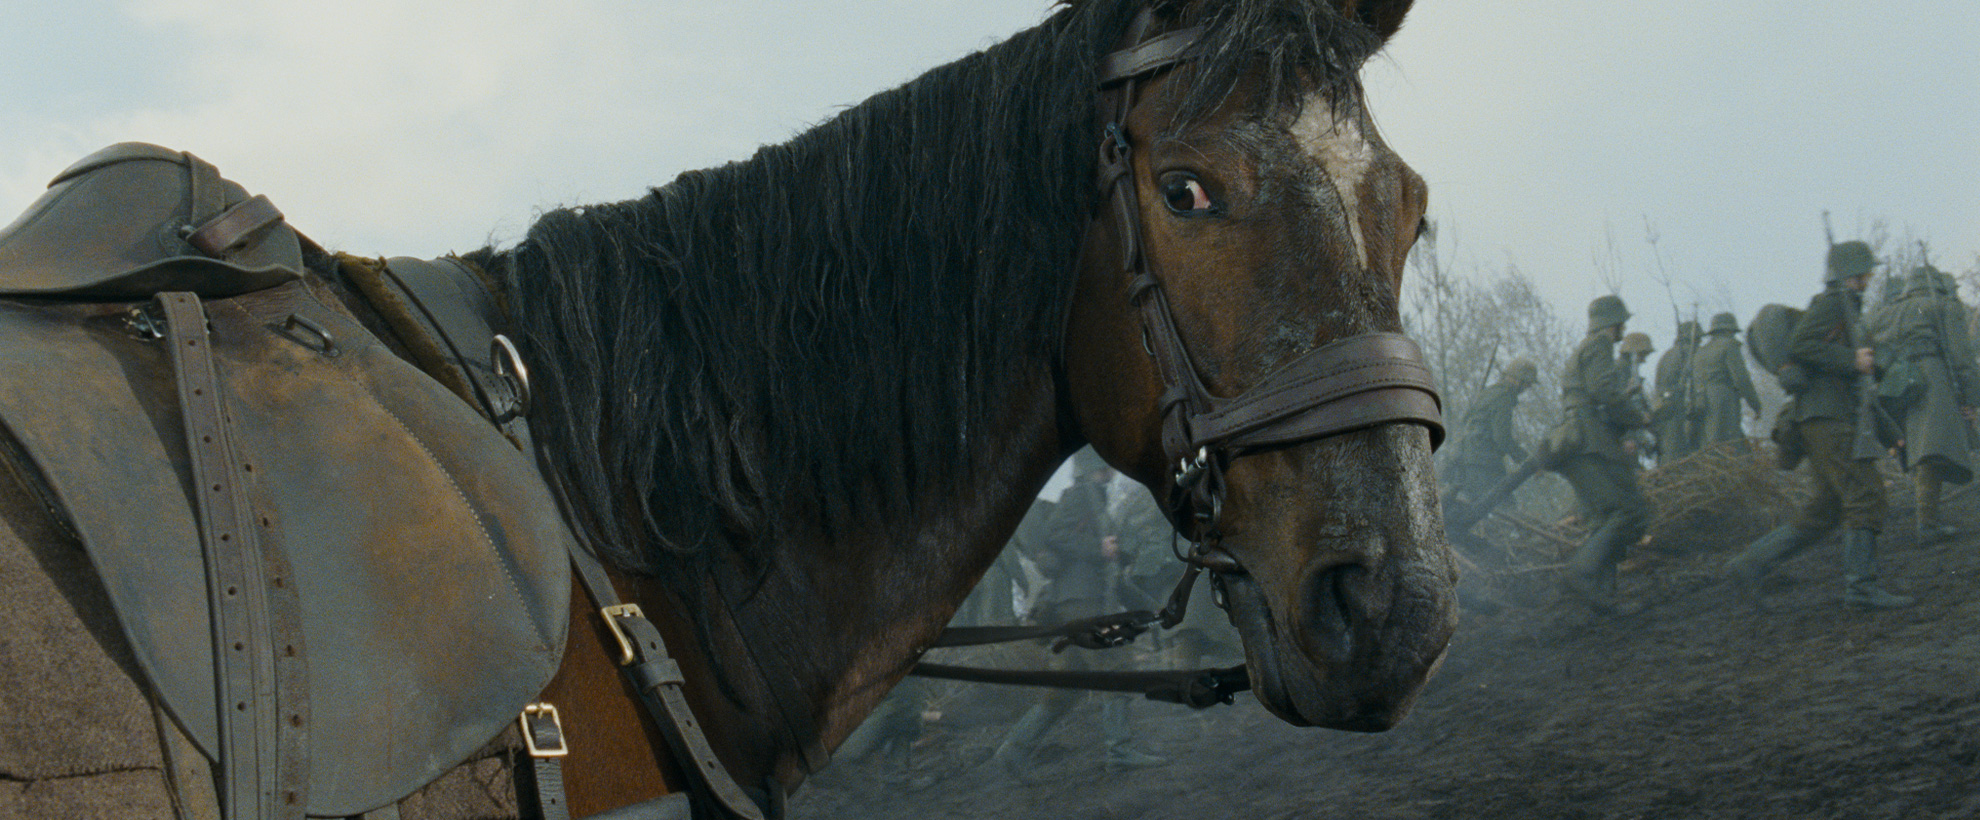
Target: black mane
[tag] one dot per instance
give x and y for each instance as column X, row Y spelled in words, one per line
column 822, row 330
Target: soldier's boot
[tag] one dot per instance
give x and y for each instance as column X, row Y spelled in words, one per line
column 1930, row 526
column 1591, row 572
column 1752, row 564
column 1015, row 753
column 1119, row 731
column 1860, row 573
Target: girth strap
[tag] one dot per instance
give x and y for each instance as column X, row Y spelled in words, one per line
column 257, row 634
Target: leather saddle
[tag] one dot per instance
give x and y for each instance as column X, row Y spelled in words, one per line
column 413, row 559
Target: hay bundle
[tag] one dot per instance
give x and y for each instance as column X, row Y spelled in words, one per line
column 1719, row 497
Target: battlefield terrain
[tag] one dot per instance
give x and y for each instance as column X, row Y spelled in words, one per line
column 1703, row 705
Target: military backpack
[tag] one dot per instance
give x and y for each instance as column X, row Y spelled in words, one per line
column 1769, row 338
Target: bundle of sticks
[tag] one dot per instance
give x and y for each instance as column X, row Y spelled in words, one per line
column 1720, row 496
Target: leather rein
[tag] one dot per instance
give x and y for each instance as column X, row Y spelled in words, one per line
column 1356, row 383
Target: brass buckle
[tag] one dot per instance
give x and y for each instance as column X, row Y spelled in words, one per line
column 539, row 711
column 612, row 615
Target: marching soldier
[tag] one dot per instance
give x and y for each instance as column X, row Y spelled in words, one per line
column 1590, row 451
column 1672, row 422
column 1926, row 338
column 1720, row 382
column 1082, row 561
column 1877, row 320
column 1829, row 347
column 1635, row 350
column 1486, row 440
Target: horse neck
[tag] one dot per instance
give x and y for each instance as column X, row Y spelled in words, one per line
column 692, row 346
column 835, row 622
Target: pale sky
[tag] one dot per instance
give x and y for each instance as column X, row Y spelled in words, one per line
column 1549, row 130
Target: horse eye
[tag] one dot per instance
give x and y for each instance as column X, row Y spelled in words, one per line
column 1185, row 195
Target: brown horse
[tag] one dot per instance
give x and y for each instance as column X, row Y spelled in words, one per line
column 801, row 400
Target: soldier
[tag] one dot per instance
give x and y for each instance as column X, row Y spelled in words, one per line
column 1926, row 333
column 1877, row 320
column 1720, row 382
column 1635, row 350
column 892, row 729
column 1848, row 491
column 1082, row 560
column 1148, row 575
column 1590, row 451
column 1485, row 440
column 1672, row 422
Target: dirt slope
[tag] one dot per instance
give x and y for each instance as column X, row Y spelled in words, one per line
column 1699, row 707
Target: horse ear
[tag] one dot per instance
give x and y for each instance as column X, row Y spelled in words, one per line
column 1383, row 16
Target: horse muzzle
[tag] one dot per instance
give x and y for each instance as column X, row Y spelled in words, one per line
column 1343, row 589
column 1351, row 649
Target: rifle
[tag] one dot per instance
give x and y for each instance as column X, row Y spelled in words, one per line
column 1874, row 426
column 1468, row 515
column 1691, row 432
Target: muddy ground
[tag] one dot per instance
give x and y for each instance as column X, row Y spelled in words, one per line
column 1701, row 706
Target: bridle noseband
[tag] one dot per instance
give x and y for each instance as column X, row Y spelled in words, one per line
column 1351, row 384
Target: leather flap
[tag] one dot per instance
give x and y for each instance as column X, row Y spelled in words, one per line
column 114, row 226
column 428, row 557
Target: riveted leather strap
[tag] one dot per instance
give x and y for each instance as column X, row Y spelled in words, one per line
column 261, row 714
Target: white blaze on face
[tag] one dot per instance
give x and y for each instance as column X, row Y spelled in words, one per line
column 1336, row 142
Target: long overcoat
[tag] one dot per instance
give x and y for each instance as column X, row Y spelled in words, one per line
column 1720, row 384
column 1671, row 420
column 1929, row 330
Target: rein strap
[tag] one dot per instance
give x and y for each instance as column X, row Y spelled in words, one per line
column 1199, row 689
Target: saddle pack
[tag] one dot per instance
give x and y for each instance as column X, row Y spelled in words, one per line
column 337, row 573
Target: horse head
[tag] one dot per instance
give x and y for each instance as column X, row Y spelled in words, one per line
column 1254, row 242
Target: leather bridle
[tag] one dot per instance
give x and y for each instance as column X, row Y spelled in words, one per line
column 1352, row 384
column 1356, row 383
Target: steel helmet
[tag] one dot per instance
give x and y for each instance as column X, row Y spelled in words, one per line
column 1606, row 311
column 1523, row 370
column 1725, row 323
column 1923, row 279
column 1637, row 343
column 1849, row 259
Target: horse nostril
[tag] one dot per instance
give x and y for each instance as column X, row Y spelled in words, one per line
column 1331, row 611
